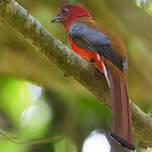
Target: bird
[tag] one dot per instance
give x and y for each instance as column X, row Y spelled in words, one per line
column 106, row 51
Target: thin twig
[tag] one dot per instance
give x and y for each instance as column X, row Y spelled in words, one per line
column 29, row 141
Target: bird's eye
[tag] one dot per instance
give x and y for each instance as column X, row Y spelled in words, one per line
column 64, row 10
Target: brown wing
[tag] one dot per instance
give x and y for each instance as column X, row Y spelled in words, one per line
column 90, row 38
column 116, row 42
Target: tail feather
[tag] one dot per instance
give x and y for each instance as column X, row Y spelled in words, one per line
column 121, row 116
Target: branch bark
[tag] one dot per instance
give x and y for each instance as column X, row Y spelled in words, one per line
column 12, row 14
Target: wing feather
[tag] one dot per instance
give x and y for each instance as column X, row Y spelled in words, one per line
column 93, row 39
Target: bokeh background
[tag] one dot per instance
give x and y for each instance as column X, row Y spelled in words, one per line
column 40, row 101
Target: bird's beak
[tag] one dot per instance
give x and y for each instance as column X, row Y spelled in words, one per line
column 56, row 19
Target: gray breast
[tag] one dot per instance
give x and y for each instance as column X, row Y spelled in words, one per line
column 90, row 34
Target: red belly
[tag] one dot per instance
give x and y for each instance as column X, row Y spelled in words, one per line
column 85, row 54
column 88, row 55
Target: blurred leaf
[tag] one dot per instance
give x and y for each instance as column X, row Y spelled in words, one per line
column 146, row 4
column 140, row 2
column 9, row 146
column 64, row 145
column 13, row 95
column 148, row 7
column 90, row 112
column 36, row 120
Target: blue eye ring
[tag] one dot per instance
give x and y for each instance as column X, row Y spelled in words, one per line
column 64, row 10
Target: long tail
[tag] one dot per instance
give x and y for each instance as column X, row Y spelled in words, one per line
column 121, row 116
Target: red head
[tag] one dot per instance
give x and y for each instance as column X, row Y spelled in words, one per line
column 69, row 13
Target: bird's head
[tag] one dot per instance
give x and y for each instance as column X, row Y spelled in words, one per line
column 68, row 13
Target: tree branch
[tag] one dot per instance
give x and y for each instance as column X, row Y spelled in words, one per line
column 12, row 14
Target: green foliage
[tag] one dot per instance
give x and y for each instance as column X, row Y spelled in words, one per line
column 64, row 146
column 146, row 4
column 8, row 146
column 14, row 95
